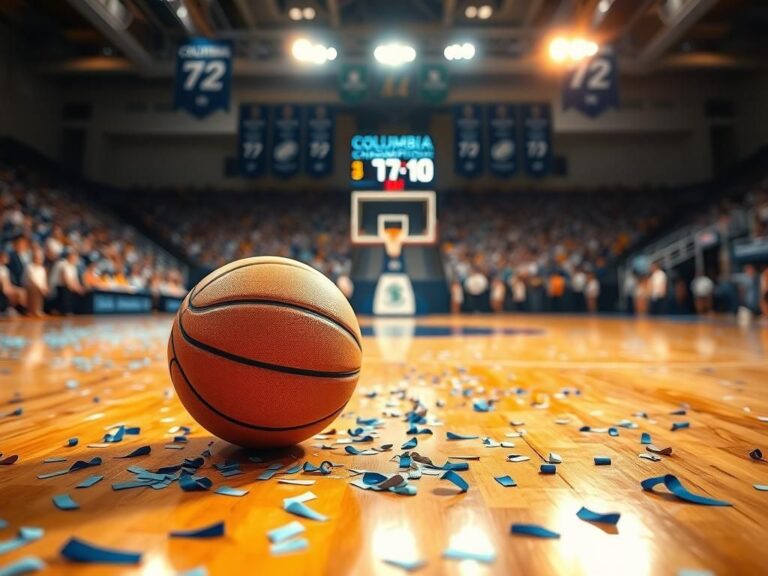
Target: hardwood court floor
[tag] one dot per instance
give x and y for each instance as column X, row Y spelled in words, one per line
column 619, row 366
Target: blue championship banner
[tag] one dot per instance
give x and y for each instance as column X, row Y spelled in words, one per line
column 537, row 138
column 252, row 140
column 286, row 140
column 467, row 140
column 502, row 139
column 592, row 86
column 321, row 129
column 203, row 76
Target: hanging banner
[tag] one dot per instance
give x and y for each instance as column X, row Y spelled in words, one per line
column 353, row 82
column 203, row 76
column 537, row 138
column 321, row 128
column 467, row 139
column 434, row 83
column 502, row 139
column 286, row 140
column 252, row 140
column 592, row 86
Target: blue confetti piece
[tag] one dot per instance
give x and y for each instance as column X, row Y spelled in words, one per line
column 132, row 484
column 407, row 565
column 180, row 439
column 645, row 438
column 694, row 572
column 233, row 472
column 415, row 430
column 410, row 444
column 3, row 524
column 80, row 464
column 71, row 384
column 325, row 468
column 301, row 509
column 367, row 421
column 480, row 405
column 65, row 502
column 18, row 412
column 25, row 535
column 613, row 432
column 285, row 532
column 679, row 412
column 78, row 550
column 23, row 566
column 506, row 481
column 585, row 429
column 590, row 516
column 195, row 483
column 197, row 571
column 405, row 460
column 133, row 430
column 478, row 555
column 143, row 451
column 761, row 487
column 452, row 476
column 756, row 454
column 54, row 459
column 602, row 461
column 454, row 436
column 212, row 531
column 116, row 437
column 296, row 545
column 680, row 425
column 674, row 485
column 373, row 478
column 72, row 442
column 548, row 469
column 90, row 481
column 533, row 530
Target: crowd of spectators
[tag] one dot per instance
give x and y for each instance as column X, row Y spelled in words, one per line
column 55, row 248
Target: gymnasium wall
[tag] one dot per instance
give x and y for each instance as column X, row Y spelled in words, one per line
column 29, row 103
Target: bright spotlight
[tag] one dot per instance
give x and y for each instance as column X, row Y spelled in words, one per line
column 573, row 49
column 182, row 12
column 559, row 49
column 394, row 54
column 308, row 13
column 305, row 51
column 485, row 12
column 470, row 12
column 295, row 14
column 464, row 51
column 468, row 51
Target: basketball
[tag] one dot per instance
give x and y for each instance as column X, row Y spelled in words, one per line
column 265, row 352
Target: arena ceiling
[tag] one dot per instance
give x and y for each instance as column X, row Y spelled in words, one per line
column 139, row 36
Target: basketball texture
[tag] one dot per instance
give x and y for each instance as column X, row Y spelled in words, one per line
column 265, row 352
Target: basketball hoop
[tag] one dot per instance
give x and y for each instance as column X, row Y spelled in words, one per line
column 393, row 242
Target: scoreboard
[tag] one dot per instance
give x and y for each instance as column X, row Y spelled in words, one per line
column 392, row 162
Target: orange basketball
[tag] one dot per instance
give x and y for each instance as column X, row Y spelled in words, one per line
column 265, row 352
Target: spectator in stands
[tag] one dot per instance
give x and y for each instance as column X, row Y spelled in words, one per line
column 65, row 284
column 578, row 284
column 703, row 290
column 497, row 294
column 629, row 289
column 457, row 297
column 764, row 292
column 92, row 278
column 18, row 259
column 476, row 289
column 518, row 288
column 11, row 296
column 658, row 289
column 749, row 289
column 592, row 292
column 556, row 291
column 35, row 281
column 642, row 291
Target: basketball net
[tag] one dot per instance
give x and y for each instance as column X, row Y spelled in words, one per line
column 393, row 242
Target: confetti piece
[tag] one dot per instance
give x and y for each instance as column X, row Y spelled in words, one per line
column 3, row 524
column 211, row 531
column 590, row 516
column 305, row 497
column 505, row 481
column 613, row 432
column 680, row 412
column 25, row 535
column 454, row 436
column 407, row 565
column 72, row 442
column 516, row 423
column 23, row 566
column 602, row 461
column 533, row 530
column 656, row 450
column 756, row 454
column 463, row 554
column 761, row 487
column 517, row 458
column 296, row 545
column 325, row 468
column 452, row 476
column 81, row 551
column 54, row 459
column 412, row 443
column 548, row 469
column 285, row 532
column 355, row 452
column 80, row 464
column 198, row 571
column 143, row 451
column 301, row 509
column 554, row 458
column 296, row 482
column 482, row 406
column 195, row 483
column 116, row 436
column 680, row 425
column 675, row 486
column 65, row 502
column 414, row 430
column 228, row 491
column 90, row 481
column 763, row 418
column 645, row 438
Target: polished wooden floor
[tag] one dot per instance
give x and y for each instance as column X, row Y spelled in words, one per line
column 620, row 367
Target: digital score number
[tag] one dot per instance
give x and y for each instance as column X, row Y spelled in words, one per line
column 392, row 162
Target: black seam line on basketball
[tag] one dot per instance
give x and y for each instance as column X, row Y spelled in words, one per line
column 266, row 365
column 248, row 265
column 277, row 303
column 234, row 420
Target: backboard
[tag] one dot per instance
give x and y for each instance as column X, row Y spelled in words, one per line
column 375, row 212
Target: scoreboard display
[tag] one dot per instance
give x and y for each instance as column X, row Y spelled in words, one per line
column 392, row 162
